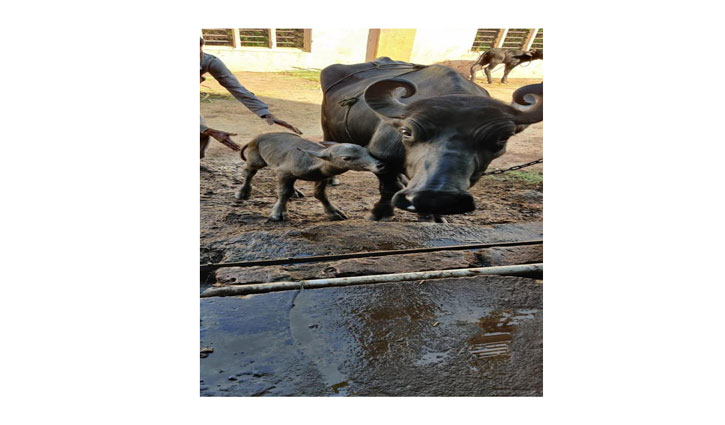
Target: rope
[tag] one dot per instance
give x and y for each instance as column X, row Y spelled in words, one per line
column 392, row 66
column 515, row 167
column 350, row 101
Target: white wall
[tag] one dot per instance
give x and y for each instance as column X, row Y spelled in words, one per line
column 329, row 46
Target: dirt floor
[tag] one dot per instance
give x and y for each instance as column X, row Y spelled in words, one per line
column 509, row 207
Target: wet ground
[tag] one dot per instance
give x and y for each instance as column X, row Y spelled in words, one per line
column 464, row 337
column 451, row 337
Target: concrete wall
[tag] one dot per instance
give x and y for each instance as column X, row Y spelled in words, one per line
column 329, row 46
column 397, row 44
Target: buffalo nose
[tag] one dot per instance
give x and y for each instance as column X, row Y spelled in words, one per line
column 437, row 202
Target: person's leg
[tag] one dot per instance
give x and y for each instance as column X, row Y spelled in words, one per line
column 204, row 144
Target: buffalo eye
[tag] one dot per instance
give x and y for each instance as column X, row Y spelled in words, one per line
column 406, row 132
column 504, row 139
column 347, row 158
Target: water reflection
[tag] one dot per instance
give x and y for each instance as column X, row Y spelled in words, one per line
column 498, row 329
column 394, row 315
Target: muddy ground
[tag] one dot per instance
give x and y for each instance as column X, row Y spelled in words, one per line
column 509, row 207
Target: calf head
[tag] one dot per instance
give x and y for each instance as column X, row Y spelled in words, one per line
column 449, row 140
column 536, row 54
column 346, row 156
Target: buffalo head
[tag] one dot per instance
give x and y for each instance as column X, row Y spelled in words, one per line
column 449, row 140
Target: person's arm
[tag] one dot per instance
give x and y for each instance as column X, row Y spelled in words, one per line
column 222, row 136
column 225, row 77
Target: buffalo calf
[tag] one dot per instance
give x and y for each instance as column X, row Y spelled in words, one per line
column 511, row 58
column 295, row 158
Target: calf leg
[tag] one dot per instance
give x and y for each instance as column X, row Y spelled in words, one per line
column 321, row 195
column 481, row 62
column 473, row 71
column 491, row 65
column 285, row 190
column 253, row 164
column 506, row 73
column 246, row 188
column 389, row 185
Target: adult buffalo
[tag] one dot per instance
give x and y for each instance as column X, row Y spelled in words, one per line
column 426, row 122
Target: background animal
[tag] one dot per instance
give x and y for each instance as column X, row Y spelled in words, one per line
column 511, row 58
column 427, row 122
column 296, row 158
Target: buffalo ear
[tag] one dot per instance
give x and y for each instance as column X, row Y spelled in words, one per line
column 317, row 154
column 380, row 96
column 327, row 144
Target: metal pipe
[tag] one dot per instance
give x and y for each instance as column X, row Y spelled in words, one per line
column 317, row 258
column 259, row 288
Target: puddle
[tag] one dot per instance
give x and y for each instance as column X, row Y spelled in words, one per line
column 446, row 339
column 387, row 326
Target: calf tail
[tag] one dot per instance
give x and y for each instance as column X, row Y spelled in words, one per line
column 241, row 152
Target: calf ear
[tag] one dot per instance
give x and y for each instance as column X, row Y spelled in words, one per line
column 380, row 96
column 317, row 154
column 327, row 144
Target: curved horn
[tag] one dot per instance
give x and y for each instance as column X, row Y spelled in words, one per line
column 529, row 101
column 380, row 96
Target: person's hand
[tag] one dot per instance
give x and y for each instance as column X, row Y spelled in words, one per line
column 224, row 138
column 271, row 120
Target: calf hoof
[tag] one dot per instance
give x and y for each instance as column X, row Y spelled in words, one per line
column 298, row 194
column 337, row 215
column 439, row 219
column 243, row 194
column 278, row 217
column 334, row 181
